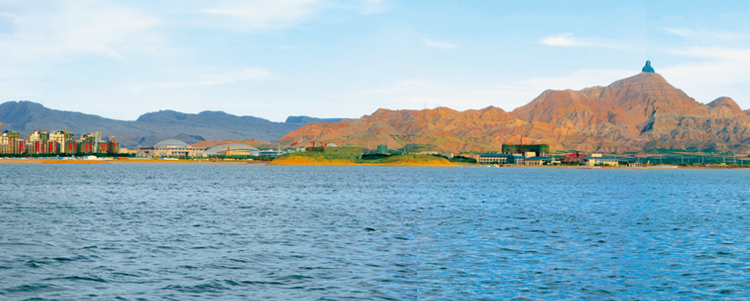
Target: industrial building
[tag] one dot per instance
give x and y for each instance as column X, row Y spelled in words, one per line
column 271, row 153
column 540, row 161
column 500, row 159
column 493, row 158
column 597, row 161
column 528, row 150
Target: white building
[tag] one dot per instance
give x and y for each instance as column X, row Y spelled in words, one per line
column 596, row 161
column 171, row 148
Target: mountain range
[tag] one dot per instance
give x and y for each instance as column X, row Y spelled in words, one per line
column 149, row 128
column 630, row 115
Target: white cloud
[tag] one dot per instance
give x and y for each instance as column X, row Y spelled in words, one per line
column 434, row 44
column 401, row 86
column 577, row 80
column 212, row 79
column 243, row 15
column 706, row 34
column 568, row 40
column 563, row 40
column 66, row 29
column 415, row 94
column 722, row 71
column 512, row 95
column 684, row 32
column 368, row 7
column 264, row 14
column 715, row 53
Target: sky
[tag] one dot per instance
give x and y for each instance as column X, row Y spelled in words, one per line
column 331, row 58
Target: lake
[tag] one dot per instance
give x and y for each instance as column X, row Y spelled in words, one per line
column 197, row 232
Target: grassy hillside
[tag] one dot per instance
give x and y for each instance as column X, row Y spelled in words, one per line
column 315, row 158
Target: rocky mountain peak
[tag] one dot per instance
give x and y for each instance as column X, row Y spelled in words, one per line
column 726, row 105
column 647, row 83
column 632, row 114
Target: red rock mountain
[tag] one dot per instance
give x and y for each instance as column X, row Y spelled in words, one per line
column 640, row 112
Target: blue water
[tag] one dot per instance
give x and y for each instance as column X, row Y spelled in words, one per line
column 191, row 232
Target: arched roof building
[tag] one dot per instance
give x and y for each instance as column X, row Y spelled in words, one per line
column 171, row 143
column 171, row 148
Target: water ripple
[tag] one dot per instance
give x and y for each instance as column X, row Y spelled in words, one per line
column 261, row 232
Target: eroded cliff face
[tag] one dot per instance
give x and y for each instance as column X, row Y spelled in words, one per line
column 636, row 113
column 642, row 111
column 447, row 129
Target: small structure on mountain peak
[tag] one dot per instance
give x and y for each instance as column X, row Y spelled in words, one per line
column 648, row 67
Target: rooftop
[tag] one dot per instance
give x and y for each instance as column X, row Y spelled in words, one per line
column 173, row 143
column 231, row 146
column 540, row 158
column 495, row 155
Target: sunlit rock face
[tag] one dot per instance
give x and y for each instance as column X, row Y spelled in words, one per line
column 640, row 112
column 636, row 113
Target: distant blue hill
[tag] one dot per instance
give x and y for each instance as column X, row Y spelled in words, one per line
column 149, row 128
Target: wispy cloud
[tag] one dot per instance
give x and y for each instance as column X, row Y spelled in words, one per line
column 368, row 7
column 577, row 80
column 717, row 73
column 278, row 14
column 416, row 94
column 264, row 14
column 688, row 33
column 401, row 86
column 719, row 68
column 466, row 95
column 212, row 80
column 568, row 40
column 732, row 54
column 704, row 33
column 564, row 40
column 71, row 28
column 434, row 44
column 511, row 95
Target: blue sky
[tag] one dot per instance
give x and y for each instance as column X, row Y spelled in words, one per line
column 328, row 58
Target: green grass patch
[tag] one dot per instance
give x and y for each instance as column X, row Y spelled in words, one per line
column 462, row 159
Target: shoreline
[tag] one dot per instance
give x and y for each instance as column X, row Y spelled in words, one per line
column 140, row 161
column 323, row 159
column 241, row 162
